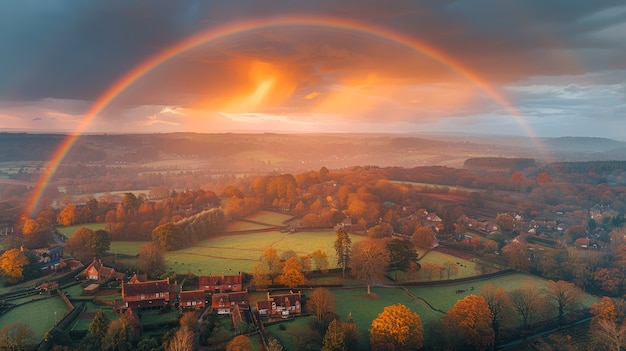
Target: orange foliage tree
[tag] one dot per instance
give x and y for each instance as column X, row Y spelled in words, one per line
column 396, row 328
column 12, row 264
column 470, row 319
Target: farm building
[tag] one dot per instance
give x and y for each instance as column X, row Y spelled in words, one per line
column 221, row 283
column 283, row 305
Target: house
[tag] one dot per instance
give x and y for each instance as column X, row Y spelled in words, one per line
column 155, row 293
column 221, row 284
column 138, row 278
column 345, row 224
column 281, row 305
column 582, row 243
column 49, row 259
column 97, row 271
column 224, row 303
column 192, row 299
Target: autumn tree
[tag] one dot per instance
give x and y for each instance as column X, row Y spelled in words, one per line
column 321, row 303
column 423, row 237
column 118, row 336
column 527, row 301
column 86, row 244
column 260, row 275
column 334, row 339
column 343, row 248
column 607, row 329
column 151, row 259
column 16, row 336
column 450, row 268
column 12, row 263
column 168, row 236
column 271, row 260
column 401, row 253
column 240, row 343
column 369, row 262
column 499, row 304
column 292, row 275
column 516, row 256
column 564, row 297
column 396, row 328
column 67, row 216
column 471, row 318
column 320, row 260
column 429, row 270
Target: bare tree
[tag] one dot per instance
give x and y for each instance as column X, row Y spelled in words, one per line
column 527, row 302
column 370, row 259
column 16, row 336
column 322, row 304
column 564, row 297
column 181, row 341
column 500, row 305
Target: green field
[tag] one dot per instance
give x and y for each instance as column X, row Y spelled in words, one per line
column 364, row 309
column 235, row 253
column 45, row 312
column 69, row 230
column 130, row 248
column 270, row 218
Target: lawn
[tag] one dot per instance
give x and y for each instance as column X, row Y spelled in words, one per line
column 233, row 253
column 69, row 230
column 286, row 332
column 45, row 312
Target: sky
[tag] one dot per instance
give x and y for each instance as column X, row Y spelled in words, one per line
column 517, row 67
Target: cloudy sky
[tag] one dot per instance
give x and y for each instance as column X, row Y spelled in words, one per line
column 520, row 67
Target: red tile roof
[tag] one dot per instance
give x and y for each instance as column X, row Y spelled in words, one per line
column 149, row 287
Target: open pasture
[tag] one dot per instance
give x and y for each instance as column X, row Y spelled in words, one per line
column 130, row 248
column 270, row 217
column 45, row 312
column 234, row 253
column 365, row 309
column 69, row 230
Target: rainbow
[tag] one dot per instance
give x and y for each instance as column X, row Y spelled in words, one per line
column 233, row 28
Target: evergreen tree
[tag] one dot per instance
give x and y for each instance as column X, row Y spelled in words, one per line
column 334, row 340
column 343, row 248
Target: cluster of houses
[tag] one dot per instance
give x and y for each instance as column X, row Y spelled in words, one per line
column 223, row 293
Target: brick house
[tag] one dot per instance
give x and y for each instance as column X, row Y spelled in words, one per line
column 192, row 299
column 97, row 271
column 224, row 303
column 155, row 293
column 281, row 305
column 221, row 283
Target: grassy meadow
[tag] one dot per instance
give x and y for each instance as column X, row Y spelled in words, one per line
column 234, row 253
column 69, row 230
